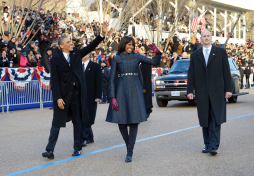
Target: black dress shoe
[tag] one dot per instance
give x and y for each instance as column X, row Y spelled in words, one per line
column 84, row 143
column 76, row 153
column 48, row 154
column 128, row 159
column 205, row 150
column 88, row 141
column 213, row 152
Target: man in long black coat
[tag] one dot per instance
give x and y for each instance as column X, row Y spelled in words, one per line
column 93, row 76
column 69, row 91
column 209, row 75
column 146, row 71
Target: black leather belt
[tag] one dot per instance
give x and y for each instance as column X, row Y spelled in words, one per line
column 127, row 74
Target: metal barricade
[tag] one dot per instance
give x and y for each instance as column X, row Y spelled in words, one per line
column 46, row 92
column 13, row 93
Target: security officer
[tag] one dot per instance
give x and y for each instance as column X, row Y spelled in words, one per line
column 247, row 73
column 105, row 84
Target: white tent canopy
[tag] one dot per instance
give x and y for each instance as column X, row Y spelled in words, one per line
column 232, row 5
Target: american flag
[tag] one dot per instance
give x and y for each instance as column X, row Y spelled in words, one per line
column 202, row 20
column 195, row 22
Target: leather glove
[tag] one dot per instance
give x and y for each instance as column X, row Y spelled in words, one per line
column 114, row 104
column 154, row 49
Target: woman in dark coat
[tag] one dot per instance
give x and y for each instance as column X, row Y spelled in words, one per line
column 126, row 91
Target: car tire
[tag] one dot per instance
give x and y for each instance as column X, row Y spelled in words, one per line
column 162, row 103
column 232, row 99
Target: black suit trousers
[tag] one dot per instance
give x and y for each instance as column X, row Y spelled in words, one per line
column 248, row 81
column 88, row 133
column 211, row 134
column 241, row 82
column 75, row 109
column 105, row 91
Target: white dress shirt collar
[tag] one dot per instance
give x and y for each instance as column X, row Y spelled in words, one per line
column 66, row 55
column 209, row 49
column 86, row 63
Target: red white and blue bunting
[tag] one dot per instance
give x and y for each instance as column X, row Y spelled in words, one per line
column 3, row 72
column 21, row 77
column 44, row 78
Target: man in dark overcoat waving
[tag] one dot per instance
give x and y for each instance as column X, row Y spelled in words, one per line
column 69, row 91
column 209, row 76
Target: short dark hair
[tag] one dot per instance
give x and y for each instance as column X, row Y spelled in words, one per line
column 123, row 42
column 60, row 40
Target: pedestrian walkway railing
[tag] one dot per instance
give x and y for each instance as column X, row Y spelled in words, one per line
column 14, row 93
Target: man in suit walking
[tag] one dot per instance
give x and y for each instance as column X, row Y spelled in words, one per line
column 105, row 82
column 93, row 76
column 247, row 72
column 69, row 91
column 146, row 71
column 241, row 71
column 209, row 75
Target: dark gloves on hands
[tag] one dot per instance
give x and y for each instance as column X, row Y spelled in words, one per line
column 154, row 49
column 114, row 104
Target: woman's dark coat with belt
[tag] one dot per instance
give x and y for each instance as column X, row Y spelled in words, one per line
column 127, row 89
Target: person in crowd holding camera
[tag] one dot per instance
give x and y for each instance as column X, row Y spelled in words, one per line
column 32, row 60
column 127, row 106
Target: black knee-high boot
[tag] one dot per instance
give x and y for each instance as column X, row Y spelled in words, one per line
column 132, row 138
column 124, row 131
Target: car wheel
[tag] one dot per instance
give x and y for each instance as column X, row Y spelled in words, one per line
column 162, row 103
column 233, row 99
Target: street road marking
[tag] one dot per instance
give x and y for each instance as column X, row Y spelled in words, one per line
column 116, row 146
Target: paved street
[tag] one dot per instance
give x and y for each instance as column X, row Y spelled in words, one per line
column 171, row 146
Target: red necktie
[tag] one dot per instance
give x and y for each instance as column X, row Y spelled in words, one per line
column 49, row 59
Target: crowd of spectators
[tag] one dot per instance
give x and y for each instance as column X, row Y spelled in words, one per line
column 37, row 42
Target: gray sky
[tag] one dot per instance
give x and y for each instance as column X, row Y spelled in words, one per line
column 89, row 1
